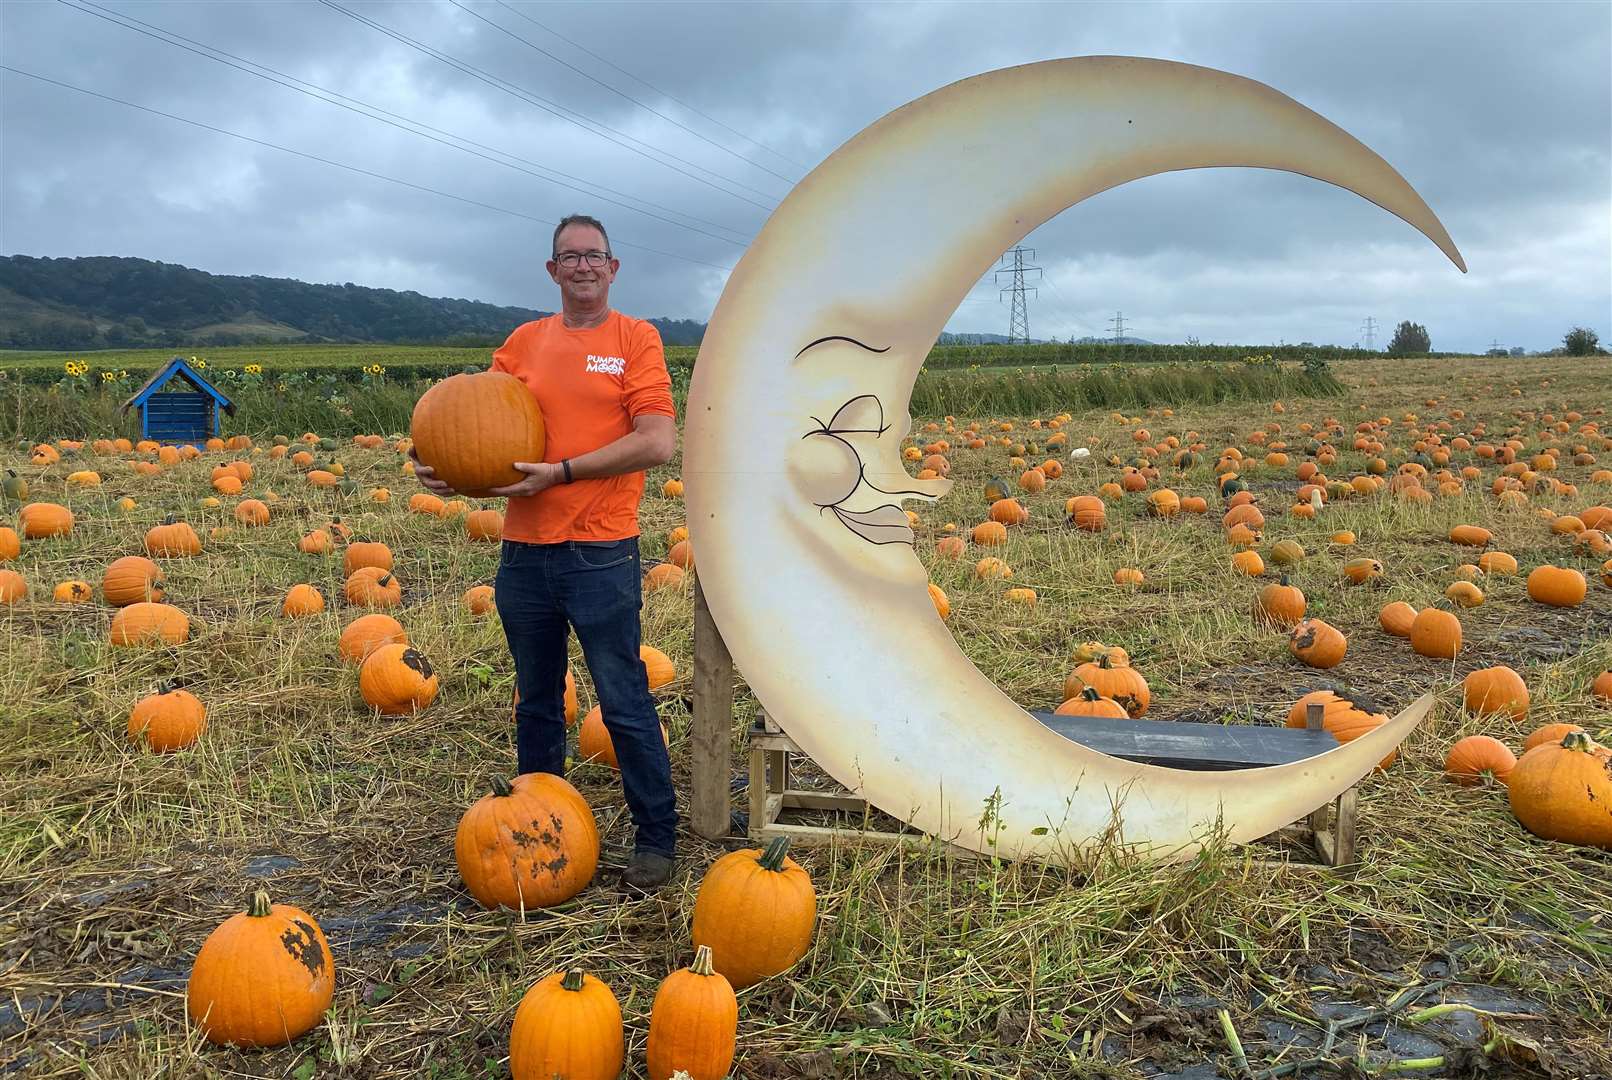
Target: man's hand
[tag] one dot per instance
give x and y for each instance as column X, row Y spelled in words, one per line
column 539, row 475
column 428, row 476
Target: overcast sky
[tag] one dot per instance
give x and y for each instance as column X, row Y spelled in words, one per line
column 1499, row 114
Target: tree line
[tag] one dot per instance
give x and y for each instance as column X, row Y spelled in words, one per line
column 105, row 302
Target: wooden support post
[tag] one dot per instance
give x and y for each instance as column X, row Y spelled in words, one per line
column 712, row 727
column 1314, row 719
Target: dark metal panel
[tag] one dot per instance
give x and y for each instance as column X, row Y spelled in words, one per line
column 1191, row 746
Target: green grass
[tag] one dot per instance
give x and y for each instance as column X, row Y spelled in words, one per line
column 923, row 963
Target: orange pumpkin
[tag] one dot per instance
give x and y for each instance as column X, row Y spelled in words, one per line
column 130, row 580
column 1120, row 682
column 479, row 599
column 1557, row 586
column 594, row 743
column 1396, row 618
column 486, row 526
column 1318, row 643
column 990, row 534
column 472, row 428
column 756, row 910
column 693, row 1023
column 1477, row 756
column 172, row 538
column 367, row 633
column 1009, row 512
column 1436, row 633
column 362, row 553
column 532, row 842
column 1548, row 733
column 1280, row 604
column 370, row 586
column 1346, row 716
column 262, row 978
column 13, row 587
column 1091, row 703
column 396, row 679
column 1562, row 791
column 568, row 1024
column 45, row 519
column 663, row 576
column 171, row 719
column 146, row 623
column 302, row 601
column 1495, row 689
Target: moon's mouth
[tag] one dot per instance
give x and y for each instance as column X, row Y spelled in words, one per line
column 829, row 466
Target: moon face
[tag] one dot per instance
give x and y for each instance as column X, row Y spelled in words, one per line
column 795, row 487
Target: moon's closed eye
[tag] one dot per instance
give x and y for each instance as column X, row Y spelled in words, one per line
column 840, row 337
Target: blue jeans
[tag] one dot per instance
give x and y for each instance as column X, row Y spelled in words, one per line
column 542, row 590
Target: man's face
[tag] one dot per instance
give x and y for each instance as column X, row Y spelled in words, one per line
column 582, row 285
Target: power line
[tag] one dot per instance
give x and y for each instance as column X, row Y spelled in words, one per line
column 555, row 109
column 338, row 164
column 1370, row 329
column 279, row 78
column 1018, row 312
column 616, row 67
column 566, row 64
column 1118, row 323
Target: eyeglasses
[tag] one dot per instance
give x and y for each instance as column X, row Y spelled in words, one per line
column 570, row 259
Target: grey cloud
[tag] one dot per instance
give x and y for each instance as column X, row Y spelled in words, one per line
column 1500, row 114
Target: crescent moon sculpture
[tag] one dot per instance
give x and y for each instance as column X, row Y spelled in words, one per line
column 794, row 482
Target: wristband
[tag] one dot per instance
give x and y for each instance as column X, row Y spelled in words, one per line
column 566, row 465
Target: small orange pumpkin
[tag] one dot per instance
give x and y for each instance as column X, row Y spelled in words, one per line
column 396, row 679
column 756, row 910
column 367, row 633
column 1318, row 643
column 171, row 719
column 1280, row 604
column 301, row 601
column 1436, row 633
column 568, row 1024
column 1493, row 690
column 147, row 623
column 1557, row 586
column 693, row 1023
column 1477, row 756
column 262, row 978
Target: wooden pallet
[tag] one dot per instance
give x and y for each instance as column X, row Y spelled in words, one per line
column 1330, row 830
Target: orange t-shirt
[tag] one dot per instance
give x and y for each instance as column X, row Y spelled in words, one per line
column 590, row 385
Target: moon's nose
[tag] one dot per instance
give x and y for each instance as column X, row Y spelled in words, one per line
column 824, row 468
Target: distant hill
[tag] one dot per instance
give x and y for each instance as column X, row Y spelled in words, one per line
column 105, row 302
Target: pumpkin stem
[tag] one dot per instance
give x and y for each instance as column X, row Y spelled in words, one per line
column 259, row 905
column 573, row 980
column 1283, row 581
column 1091, row 694
column 1105, row 662
column 1578, row 740
column 171, row 519
column 170, row 685
column 702, row 961
column 773, row 857
column 501, row 787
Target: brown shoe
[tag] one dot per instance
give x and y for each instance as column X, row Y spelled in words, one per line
column 647, row 871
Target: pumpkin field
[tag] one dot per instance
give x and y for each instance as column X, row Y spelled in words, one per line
column 265, row 682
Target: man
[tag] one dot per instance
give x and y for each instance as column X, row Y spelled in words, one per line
column 570, row 551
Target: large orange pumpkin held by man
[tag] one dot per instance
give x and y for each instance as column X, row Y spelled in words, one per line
column 471, row 429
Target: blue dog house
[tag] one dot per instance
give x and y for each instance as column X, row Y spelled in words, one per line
column 178, row 416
